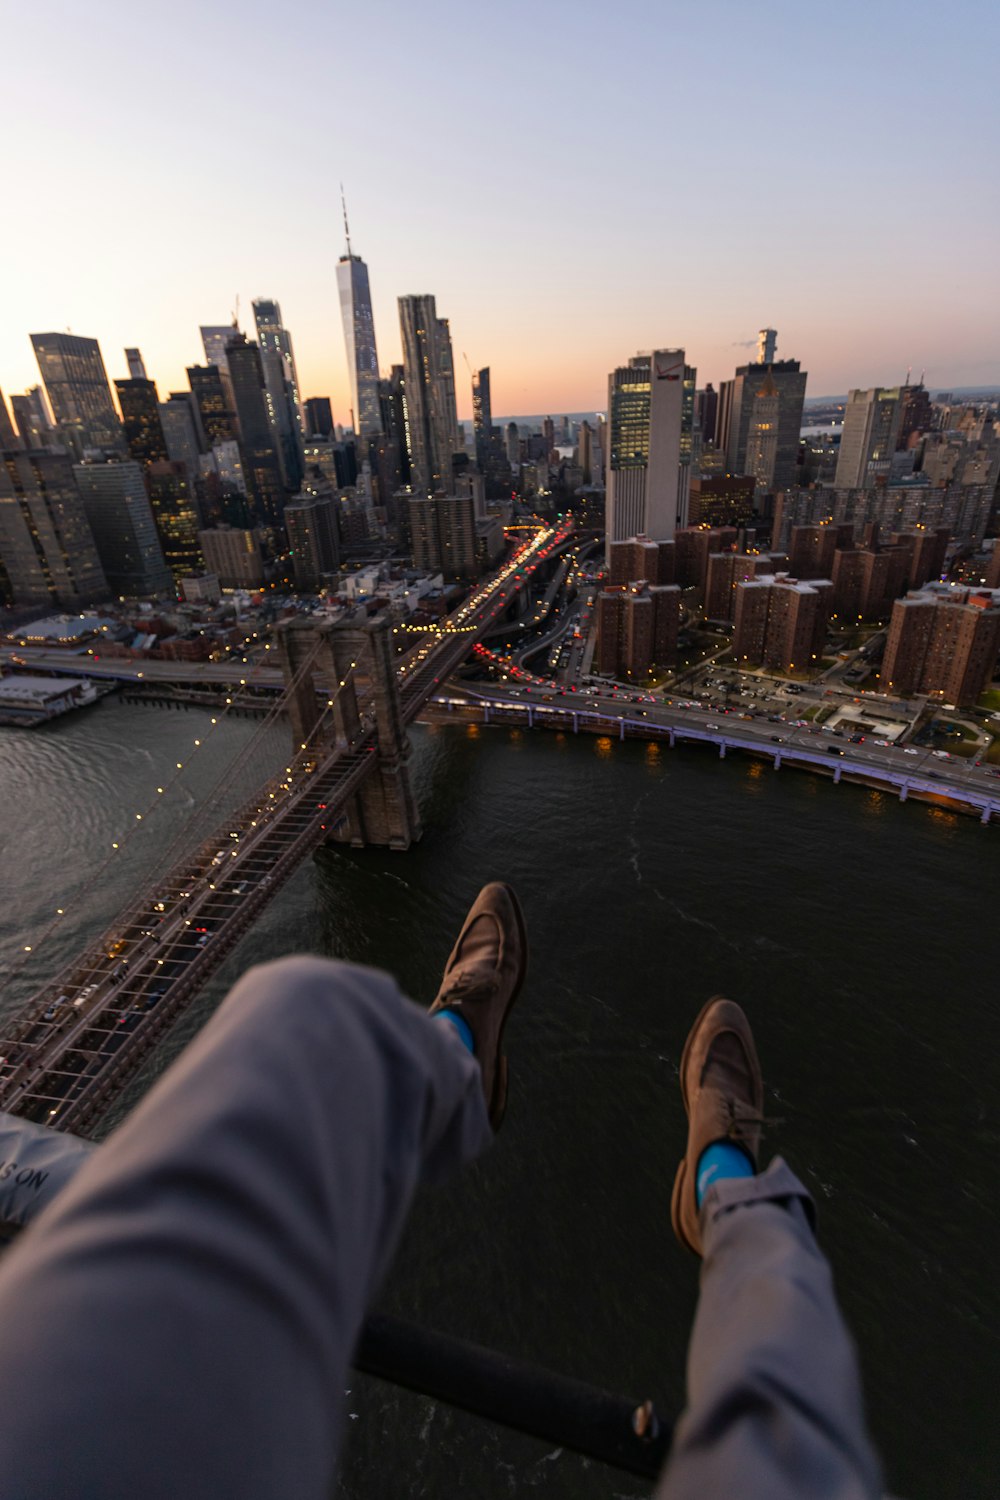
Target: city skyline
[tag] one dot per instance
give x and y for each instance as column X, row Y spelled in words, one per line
column 536, row 261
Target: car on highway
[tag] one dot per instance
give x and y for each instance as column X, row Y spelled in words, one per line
column 909, row 750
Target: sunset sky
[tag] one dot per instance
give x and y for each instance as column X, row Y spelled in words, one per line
column 573, row 181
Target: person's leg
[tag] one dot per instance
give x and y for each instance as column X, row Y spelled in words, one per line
column 774, row 1395
column 35, row 1165
column 181, row 1320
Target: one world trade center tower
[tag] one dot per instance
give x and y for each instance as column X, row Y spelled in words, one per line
column 359, row 337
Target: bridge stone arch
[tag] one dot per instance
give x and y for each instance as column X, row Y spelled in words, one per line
column 350, row 662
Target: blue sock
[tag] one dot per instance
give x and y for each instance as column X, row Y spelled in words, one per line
column 720, row 1160
column 460, row 1024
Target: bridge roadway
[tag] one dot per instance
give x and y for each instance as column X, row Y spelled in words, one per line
column 904, row 769
column 84, row 1034
column 119, row 669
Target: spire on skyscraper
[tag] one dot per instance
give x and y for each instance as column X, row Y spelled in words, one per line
column 347, row 227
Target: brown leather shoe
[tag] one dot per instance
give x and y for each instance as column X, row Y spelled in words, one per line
column 723, row 1094
column 481, row 981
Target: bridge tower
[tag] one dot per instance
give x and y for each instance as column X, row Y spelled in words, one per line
column 350, row 663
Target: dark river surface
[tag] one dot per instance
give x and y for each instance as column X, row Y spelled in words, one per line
column 861, row 935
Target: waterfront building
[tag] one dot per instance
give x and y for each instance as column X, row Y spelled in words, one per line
column 175, row 512
column 780, row 622
column 637, row 629
column 359, row 339
column 429, row 373
column 121, row 518
column 311, row 523
column 47, row 550
column 942, row 644
column 651, row 417
column 868, row 441
column 76, row 384
column 234, row 554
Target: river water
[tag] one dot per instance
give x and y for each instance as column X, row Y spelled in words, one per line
column 858, row 933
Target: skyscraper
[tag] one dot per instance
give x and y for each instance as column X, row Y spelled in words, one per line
column 945, row 646
column 76, row 384
column 213, row 400
column 482, row 417
column 31, row 418
column 181, row 426
column 318, row 417
column 762, row 434
column 118, row 509
column 141, row 418
column 429, row 372
column 311, row 522
column 359, row 340
column 261, row 465
column 175, row 512
column 767, row 344
column 282, row 384
column 739, row 413
column 47, row 551
column 215, row 339
column 650, row 415
column 9, row 440
column 136, row 365
column 871, row 428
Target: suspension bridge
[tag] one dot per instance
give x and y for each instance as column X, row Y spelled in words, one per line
column 349, row 697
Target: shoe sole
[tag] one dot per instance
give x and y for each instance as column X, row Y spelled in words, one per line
column 498, row 1101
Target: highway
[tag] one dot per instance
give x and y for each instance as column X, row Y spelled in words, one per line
column 119, row 669
column 779, row 739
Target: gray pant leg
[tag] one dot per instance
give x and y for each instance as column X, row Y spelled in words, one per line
column 35, row 1165
column 774, row 1396
column 180, row 1321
